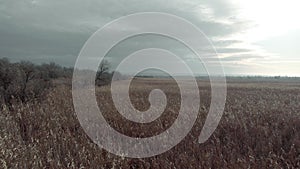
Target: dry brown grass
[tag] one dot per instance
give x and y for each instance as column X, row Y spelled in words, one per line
column 260, row 129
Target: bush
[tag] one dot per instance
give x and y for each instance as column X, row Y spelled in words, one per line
column 24, row 81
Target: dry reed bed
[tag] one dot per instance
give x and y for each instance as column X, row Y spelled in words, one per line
column 260, row 129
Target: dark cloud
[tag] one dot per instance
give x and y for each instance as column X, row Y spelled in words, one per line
column 43, row 30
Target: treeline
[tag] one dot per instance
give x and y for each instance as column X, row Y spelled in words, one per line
column 23, row 81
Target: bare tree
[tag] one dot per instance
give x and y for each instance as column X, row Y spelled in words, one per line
column 5, row 74
column 21, row 81
column 103, row 76
column 6, row 79
column 25, row 81
column 104, row 67
column 51, row 71
column 28, row 73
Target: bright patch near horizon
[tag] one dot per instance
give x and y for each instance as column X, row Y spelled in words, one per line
column 269, row 18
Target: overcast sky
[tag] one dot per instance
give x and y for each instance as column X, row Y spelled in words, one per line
column 252, row 37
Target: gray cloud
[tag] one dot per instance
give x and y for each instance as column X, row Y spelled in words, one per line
column 226, row 43
column 43, row 31
column 232, row 50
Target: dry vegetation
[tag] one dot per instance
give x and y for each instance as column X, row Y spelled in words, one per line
column 259, row 129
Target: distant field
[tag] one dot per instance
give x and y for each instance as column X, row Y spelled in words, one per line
column 260, row 128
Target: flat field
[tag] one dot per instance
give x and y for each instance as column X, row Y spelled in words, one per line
column 260, row 128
